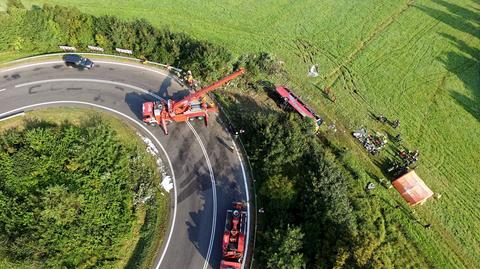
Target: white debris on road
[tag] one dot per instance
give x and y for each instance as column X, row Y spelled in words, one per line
column 150, row 146
column 166, row 184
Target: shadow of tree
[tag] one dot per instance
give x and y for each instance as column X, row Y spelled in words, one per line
column 465, row 61
column 167, row 91
column 466, row 66
column 460, row 18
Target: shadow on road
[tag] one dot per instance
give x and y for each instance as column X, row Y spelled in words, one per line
column 135, row 100
column 167, row 91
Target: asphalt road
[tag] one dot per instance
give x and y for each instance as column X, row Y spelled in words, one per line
column 208, row 173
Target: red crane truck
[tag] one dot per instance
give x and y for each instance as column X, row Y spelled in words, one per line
column 193, row 106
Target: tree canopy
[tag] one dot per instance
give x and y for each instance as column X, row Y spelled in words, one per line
column 67, row 193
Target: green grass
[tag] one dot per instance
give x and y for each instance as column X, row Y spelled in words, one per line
column 8, row 56
column 141, row 244
column 413, row 60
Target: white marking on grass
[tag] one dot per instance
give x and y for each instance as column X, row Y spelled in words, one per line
column 167, row 184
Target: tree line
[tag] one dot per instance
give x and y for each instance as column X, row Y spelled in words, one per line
column 44, row 29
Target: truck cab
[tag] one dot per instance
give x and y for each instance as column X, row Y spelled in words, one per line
column 151, row 112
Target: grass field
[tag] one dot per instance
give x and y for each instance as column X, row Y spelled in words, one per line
column 142, row 242
column 417, row 61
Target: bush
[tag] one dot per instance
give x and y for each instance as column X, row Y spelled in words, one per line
column 67, row 194
column 258, row 68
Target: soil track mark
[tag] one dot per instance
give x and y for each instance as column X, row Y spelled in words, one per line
column 337, row 72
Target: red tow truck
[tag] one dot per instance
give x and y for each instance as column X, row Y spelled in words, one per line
column 193, row 106
column 233, row 245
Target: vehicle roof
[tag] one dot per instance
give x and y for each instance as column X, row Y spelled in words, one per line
column 295, row 102
column 72, row 57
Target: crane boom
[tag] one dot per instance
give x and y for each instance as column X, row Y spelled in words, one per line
column 207, row 89
column 192, row 107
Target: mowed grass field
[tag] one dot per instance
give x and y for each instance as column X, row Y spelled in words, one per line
column 417, row 61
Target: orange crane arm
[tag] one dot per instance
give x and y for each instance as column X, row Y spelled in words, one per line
column 208, row 89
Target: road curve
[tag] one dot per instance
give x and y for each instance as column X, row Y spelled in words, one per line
column 208, row 174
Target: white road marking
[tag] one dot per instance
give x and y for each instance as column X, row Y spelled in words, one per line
column 214, row 194
column 142, row 127
column 88, row 80
column 2, row 90
column 94, row 54
column 248, row 204
column 29, row 65
column 13, row 116
column 171, row 167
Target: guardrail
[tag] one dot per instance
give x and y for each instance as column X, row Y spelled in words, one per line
column 166, row 66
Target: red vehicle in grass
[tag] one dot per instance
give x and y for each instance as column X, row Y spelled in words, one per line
column 233, row 245
column 297, row 104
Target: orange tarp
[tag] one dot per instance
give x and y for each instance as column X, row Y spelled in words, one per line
column 412, row 188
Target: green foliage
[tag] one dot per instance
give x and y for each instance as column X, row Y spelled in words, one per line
column 280, row 190
column 68, row 193
column 15, row 4
column 46, row 28
column 259, row 67
column 298, row 184
column 283, row 250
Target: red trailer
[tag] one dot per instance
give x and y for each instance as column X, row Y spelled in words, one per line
column 297, row 104
column 193, row 106
column 233, row 245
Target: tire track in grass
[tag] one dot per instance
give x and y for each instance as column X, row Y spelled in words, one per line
column 463, row 205
column 465, row 258
column 364, row 43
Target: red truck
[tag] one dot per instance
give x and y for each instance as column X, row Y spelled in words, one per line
column 233, row 245
column 297, row 104
column 193, row 106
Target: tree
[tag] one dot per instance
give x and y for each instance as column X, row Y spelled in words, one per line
column 279, row 191
column 283, row 248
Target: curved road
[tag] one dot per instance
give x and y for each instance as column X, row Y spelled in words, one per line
column 208, row 174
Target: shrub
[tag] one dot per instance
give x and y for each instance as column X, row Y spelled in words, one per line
column 67, row 193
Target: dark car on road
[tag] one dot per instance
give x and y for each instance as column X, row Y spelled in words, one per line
column 78, row 61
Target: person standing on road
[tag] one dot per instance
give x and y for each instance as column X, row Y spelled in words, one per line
column 189, row 78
